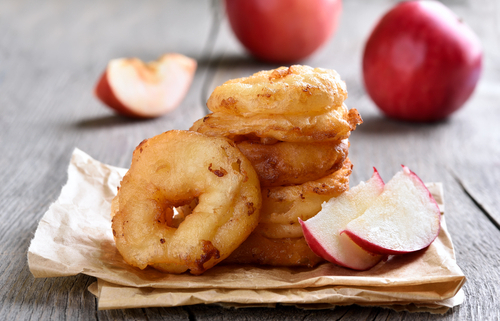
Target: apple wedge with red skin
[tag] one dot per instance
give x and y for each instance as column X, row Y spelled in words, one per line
column 322, row 232
column 404, row 218
column 146, row 90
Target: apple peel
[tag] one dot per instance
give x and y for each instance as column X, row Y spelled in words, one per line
column 134, row 88
column 322, row 232
column 404, row 218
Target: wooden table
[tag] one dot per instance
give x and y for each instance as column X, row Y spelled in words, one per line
column 51, row 55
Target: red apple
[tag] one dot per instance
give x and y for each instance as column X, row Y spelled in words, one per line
column 404, row 218
column 144, row 90
column 421, row 62
column 283, row 31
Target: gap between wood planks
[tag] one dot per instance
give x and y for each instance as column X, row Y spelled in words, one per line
column 474, row 200
column 191, row 315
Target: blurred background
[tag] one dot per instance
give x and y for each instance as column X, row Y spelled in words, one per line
column 53, row 53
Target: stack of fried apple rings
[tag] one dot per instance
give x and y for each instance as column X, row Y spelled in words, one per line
column 292, row 125
column 232, row 188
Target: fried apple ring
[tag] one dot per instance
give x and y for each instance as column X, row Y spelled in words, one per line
column 278, row 239
column 285, row 204
column 258, row 249
column 334, row 125
column 291, row 91
column 279, row 231
column 285, row 163
column 171, row 170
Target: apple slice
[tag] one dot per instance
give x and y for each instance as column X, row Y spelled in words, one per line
column 404, row 218
column 145, row 90
column 322, row 232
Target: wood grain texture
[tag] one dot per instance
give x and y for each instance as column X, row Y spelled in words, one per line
column 51, row 55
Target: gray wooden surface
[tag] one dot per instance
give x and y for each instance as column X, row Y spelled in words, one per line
column 52, row 53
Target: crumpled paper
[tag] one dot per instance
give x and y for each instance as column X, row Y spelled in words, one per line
column 74, row 236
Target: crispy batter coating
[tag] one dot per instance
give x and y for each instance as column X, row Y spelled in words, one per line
column 333, row 125
column 172, row 170
column 258, row 249
column 295, row 104
column 279, row 231
column 284, row 163
column 285, row 204
column 291, row 91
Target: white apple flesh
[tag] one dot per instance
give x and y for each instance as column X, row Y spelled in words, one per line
column 322, row 232
column 145, row 90
column 404, row 218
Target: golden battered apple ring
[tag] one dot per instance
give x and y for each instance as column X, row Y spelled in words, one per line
column 285, row 204
column 293, row 90
column 279, row 231
column 258, row 249
column 284, row 163
column 171, row 170
column 333, row 125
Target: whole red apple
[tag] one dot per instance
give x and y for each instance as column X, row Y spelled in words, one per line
column 283, row 31
column 421, row 62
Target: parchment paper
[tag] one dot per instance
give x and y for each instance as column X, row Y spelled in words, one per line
column 74, row 236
